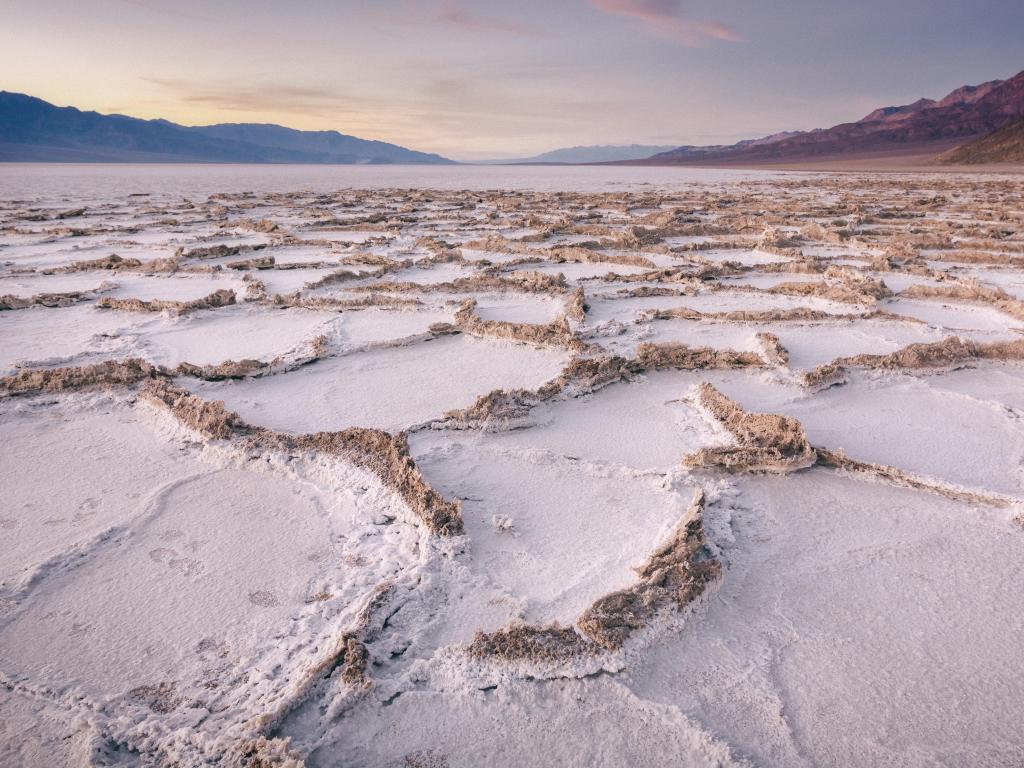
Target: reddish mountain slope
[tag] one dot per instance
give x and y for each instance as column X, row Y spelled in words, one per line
column 1003, row 146
column 924, row 127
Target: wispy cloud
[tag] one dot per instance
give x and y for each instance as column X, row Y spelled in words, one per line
column 452, row 14
column 666, row 18
column 254, row 98
column 467, row 114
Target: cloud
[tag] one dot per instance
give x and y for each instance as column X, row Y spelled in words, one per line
column 445, row 111
column 254, row 97
column 666, row 19
column 452, row 14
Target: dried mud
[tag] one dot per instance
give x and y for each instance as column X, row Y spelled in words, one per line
column 557, row 333
column 109, row 374
column 219, row 298
column 951, row 352
column 763, row 442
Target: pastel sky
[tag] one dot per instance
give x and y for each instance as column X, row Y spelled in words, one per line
column 497, row 79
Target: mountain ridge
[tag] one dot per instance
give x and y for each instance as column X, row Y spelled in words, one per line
column 1005, row 145
column 589, row 153
column 34, row 130
column 925, row 126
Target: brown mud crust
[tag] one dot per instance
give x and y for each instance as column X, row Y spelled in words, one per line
column 951, row 352
column 678, row 356
column 774, row 352
column 105, row 375
column 330, row 304
column 514, row 282
column 112, row 262
column 502, row 409
column 316, row 349
column 555, row 334
column 576, row 308
column 764, row 442
column 50, row 300
column 219, row 298
column 824, row 376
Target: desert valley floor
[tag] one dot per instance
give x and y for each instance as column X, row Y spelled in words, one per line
column 713, row 470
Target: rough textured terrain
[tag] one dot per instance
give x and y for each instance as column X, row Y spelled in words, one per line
column 720, row 470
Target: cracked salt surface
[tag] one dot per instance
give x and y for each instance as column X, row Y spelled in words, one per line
column 391, row 388
column 364, row 527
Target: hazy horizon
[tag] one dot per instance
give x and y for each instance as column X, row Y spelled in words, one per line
column 483, row 80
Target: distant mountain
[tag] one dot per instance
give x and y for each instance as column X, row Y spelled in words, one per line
column 926, row 127
column 33, row 130
column 966, row 94
column 603, row 153
column 1003, row 146
column 610, row 153
column 771, row 139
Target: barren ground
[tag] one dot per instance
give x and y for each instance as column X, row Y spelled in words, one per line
column 722, row 471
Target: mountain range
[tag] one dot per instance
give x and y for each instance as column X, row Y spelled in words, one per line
column 33, row 130
column 596, row 153
column 971, row 124
column 924, row 128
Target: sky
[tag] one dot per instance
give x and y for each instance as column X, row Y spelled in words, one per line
column 493, row 79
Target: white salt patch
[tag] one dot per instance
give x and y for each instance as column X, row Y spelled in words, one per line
column 554, row 556
column 691, row 333
column 904, row 422
column 534, row 718
column 644, row 425
column 679, row 240
column 285, row 281
column 234, row 333
column 72, row 475
column 812, row 345
column 495, row 257
column 771, row 280
column 429, row 275
column 899, row 281
column 37, row 733
column 40, row 334
column 838, row 585
column 217, row 556
column 28, row 285
column 626, row 310
column 520, row 309
column 1009, row 280
column 629, row 309
column 392, row 388
column 728, row 301
column 340, row 236
column 178, row 287
column 1002, row 385
column 952, row 317
column 375, row 325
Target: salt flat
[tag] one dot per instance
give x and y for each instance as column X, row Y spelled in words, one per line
column 520, row 466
